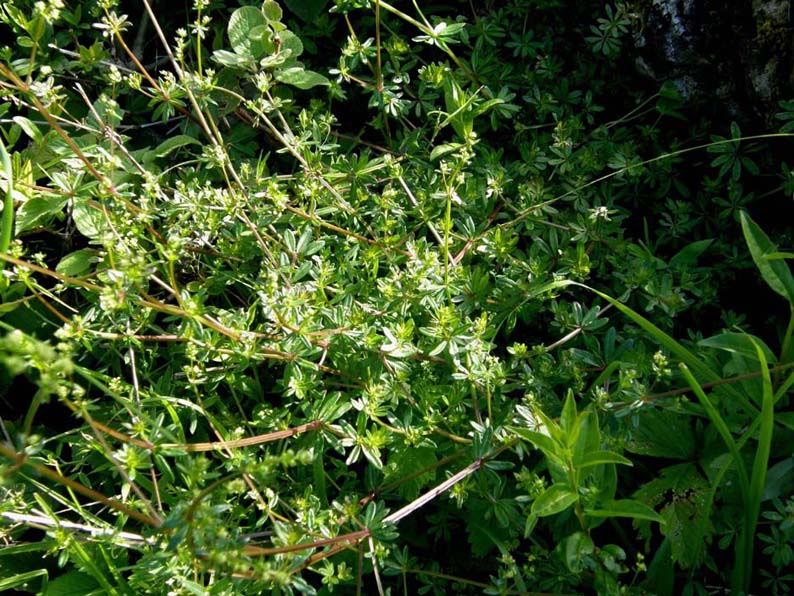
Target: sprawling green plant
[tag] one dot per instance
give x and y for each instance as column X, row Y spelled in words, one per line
column 292, row 315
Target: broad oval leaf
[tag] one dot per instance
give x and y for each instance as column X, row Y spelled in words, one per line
column 89, row 219
column 242, row 21
column 271, row 10
column 77, row 262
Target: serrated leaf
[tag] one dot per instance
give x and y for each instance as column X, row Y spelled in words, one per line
column 405, row 464
column 301, row 78
column 555, row 499
column 77, row 262
column 72, row 583
column 242, row 21
column 625, row 508
column 776, row 273
column 684, row 493
column 661, row 433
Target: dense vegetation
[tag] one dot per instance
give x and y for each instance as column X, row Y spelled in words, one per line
column 447, row 307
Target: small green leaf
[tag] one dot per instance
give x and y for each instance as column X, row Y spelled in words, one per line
column 89, row 219
column 174, row 143
column 232, row 60
column 261, row 42
column 301, row 78
column 445, row 149
column 568, row 417
column 775, row 272
column 272, row 10
column 625, row 508
column 555, row 499
column 77, row 262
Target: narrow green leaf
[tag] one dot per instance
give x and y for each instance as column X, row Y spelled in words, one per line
column 272, row 10
column 738, row 343
column 72, row 583
column 445, row 149
column 30, row 129
column 22, row 579
column 776, row 273
column 556, row 498
column 596, row 458
column 173, row 144
column 688, row 358
column 7, row 225
column 568, row 418
column 543, row 442
column 625, row 508
column 760, row 463
column 780, row 255
column 689, row 254
column 722, row 429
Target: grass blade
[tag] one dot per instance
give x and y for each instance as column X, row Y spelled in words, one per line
column 685, row 355
column 760, row 463
column 7, row 225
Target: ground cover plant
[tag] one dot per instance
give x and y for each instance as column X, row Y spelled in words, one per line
column 444, row 307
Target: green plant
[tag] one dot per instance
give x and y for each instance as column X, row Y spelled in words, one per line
column 291, row 315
